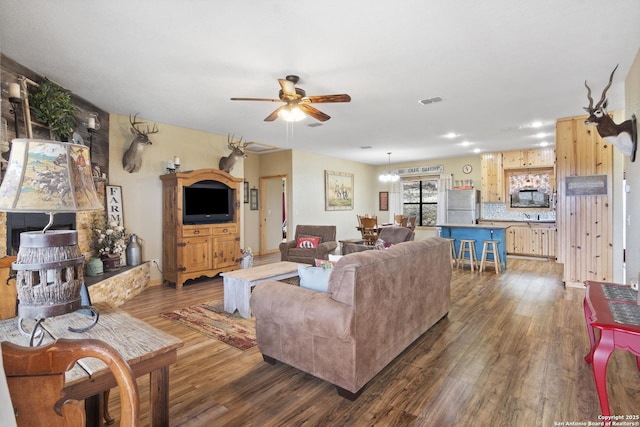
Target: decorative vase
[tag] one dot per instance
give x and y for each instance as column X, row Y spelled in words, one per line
column 95, row 267
column 134, row 251
column 111, row 262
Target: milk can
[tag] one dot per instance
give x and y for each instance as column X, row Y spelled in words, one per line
column 134, row 251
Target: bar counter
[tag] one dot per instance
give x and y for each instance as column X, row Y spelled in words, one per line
column 478, row 232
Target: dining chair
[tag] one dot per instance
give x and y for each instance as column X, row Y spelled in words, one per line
column 369, row 230
column 401, row 220
column 411, row 222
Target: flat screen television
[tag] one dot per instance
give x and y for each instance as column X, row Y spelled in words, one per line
column 207, row 202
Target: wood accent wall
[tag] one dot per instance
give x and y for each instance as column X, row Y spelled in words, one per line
column 585, row 228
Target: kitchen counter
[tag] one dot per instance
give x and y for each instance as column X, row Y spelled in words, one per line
column 519, row 221
column 478, row 232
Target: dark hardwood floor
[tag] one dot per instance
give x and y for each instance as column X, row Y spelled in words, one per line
column 510, row 353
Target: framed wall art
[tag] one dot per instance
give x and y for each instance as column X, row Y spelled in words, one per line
column 115, row 210
column 246, row 191
column 253, row 199
column 586, row 185
column 383, row 201
column 338, row 191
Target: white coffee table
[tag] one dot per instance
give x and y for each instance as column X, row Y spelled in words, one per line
column 238, row 283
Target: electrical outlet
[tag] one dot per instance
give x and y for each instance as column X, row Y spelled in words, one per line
column 155, row 262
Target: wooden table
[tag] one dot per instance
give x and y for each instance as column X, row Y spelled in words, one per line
column 613, row 334
column 478, row 232
column 147, row 350
column 238, row 283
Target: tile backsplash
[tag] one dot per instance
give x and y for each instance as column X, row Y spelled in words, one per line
column 498, row 211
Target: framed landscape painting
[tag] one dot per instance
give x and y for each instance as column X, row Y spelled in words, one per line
column 338, row 191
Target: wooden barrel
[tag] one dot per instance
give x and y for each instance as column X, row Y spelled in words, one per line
column 48, row 273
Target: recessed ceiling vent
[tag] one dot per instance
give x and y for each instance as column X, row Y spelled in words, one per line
column 433, row 100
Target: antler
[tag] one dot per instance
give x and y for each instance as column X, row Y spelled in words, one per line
column 589, row 108
column 236, row 145
column 604, row 92
column 134, row 126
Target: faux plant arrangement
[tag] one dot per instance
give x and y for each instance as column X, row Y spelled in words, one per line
column 51, row 104
column 109, row 239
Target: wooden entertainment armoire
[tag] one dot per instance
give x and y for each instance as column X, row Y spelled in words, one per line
column 193, row 251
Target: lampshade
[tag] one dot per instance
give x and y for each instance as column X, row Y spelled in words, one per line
column 48, row 176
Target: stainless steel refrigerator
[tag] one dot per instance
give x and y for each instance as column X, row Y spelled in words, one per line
column 463, row 206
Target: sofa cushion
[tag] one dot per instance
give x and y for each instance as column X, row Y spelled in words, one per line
column 310, row 242
column 316, row 278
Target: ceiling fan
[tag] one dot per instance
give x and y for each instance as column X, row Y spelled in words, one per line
column 297, row 102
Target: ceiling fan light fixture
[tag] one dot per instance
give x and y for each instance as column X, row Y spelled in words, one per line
column 291, row 113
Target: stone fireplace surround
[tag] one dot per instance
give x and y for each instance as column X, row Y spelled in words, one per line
column 115, row 288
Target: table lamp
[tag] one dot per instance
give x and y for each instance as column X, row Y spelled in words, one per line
column 48, row 177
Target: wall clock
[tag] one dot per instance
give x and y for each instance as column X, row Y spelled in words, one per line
column 467, row 169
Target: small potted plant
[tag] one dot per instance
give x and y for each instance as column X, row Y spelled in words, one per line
column 51, row 104
column 109, row 243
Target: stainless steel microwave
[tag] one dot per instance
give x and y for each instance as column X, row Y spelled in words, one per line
column 529, row 199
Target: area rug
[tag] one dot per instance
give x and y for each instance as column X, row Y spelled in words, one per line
column 210, row 319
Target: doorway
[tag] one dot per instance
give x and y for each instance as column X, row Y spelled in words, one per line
column 273, row 213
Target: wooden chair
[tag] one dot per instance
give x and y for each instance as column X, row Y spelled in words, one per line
column 369, row 230
column 401, row 220
column 36, row 377
column 411, row 222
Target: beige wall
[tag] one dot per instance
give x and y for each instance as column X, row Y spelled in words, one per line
column 307, row 193
column 632, row 106
column 142, row 191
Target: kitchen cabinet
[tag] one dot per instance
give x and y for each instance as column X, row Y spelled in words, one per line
column 190, row 251
column 533, row 158
column 492, row 178
column 532, row 240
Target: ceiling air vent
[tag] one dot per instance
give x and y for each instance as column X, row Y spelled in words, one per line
column 430, row 100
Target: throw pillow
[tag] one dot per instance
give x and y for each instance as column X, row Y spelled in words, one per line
column 324, row 263
column 316, row 278
column 330, row 263
column 381, row 244
column 308, row 242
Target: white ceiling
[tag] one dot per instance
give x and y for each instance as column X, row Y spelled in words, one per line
column 498, row 65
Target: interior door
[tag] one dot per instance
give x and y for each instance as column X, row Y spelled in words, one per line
column 273, row 216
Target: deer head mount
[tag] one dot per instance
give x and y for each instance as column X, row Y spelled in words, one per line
column 226, row 163
column 624, row 136
column 132, row 159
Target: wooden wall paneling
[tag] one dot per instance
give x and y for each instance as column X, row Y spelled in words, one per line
column 584, row 222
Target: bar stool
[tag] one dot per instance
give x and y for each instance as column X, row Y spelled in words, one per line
column 490, row 246
column 452, row 253
column 467, row 246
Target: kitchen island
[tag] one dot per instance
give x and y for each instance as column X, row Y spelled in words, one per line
column 478, row 232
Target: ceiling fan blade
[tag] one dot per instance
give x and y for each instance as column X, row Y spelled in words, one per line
column 288, row 89
column 271, row 117
column 327, row 98
column 314, row 112
column 256, row 99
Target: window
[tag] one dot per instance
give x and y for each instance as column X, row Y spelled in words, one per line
column 420, row 198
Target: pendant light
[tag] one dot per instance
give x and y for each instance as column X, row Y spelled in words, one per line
column 389, row 175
